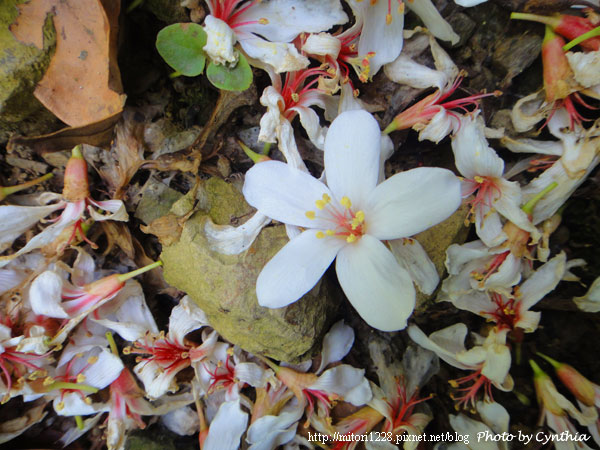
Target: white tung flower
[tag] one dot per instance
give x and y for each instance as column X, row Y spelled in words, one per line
column 348, row 219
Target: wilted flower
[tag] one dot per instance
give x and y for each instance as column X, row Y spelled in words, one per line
column 75, row 199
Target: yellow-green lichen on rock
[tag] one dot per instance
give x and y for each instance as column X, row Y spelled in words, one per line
column 224, row 286
column 21, row 67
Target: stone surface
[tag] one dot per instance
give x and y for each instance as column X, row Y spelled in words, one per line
column 224, row 285
column 21, row 67
column 436, row 240
column 156, row 201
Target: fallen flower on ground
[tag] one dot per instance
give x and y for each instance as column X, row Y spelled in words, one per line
column 351, row 218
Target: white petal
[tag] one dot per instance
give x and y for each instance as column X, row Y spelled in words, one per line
column 252, row 374
column 16, row 220
column 336, row 344
column 494, row 415
column 181, row 323
column 73, row 405
column 157, row 381
column 497, row 363
column 346, row 381
column 288, row 18
column 412, row 256
column 586, row 67
column 310, row 121
column 404, row 70
column 590, row 302
column 541, row 282
column 269, row 432
column 83, row 268
column 45, row 295
column 227, row 427
column 439, row 126
column 104, row 371
column 472, row 154
column 508, row 274
column 283, row 193
column 288, row 147
column 477, row 302
column 281, row 56
column 533, row 146
column 220, row 40
column 183, row 421
column 433, row 21
column 322, row 44
column 528, row 111
column 468, row 3
column 352, row 148
column 10, row 278
column 469, row 429
column 411, row 201
column 380, row 37
column 296, row 268
column 380, row 290
column 116, row 208
column 127, row 314
column 489, row 226
column 229, row 240
column 446, row 343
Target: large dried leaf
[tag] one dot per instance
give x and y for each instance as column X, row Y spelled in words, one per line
column 81, row 85
column 98, row 134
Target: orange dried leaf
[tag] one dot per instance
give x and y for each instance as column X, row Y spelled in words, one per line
column 77, row 85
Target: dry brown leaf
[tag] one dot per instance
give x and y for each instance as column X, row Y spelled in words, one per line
column 98, row 134
column 81, row 85
column 125, row 156
column 118, row 234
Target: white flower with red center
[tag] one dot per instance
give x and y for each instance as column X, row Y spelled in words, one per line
column 84, row 374
column 52, row 296
column 162, row 357
column 348, row 219
column 494, row 196
column 226, row 369
column 298, row 93
column 339, row 52
column 383, row 25
column 397, row 398
column 433, row 116
column 16, row 365
column 511, row 310
column 489, row 359
column 265, row 29
column 75, row 199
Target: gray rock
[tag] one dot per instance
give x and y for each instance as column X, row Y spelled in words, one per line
column 224, row 286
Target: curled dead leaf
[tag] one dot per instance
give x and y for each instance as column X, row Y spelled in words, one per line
column 81, row 85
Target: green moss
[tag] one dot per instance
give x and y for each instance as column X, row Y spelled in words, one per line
column 21, row 66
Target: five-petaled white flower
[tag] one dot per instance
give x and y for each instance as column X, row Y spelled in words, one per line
column 349, row 218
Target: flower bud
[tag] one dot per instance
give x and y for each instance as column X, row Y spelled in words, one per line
column 76, row 185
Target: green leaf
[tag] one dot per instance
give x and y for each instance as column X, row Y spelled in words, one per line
column 181, row 45
column 238, row 78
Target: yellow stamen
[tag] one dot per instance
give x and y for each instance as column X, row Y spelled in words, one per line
column 401, row 8
column 320, row 235
column 295, row 97
column 330, row 232
column 351, row 238
column 346, row 203
column 80, row 378
column 321, row 203
column 92, row 360
column 388, row 19
column 263, row 21
column 478, row 179
column 310, row 214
